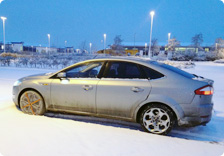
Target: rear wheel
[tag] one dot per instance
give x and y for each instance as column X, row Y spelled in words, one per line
column 157, row 119
column 32, row 102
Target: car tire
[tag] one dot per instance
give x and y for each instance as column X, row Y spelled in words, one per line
column 157, row 119
column 32, row 103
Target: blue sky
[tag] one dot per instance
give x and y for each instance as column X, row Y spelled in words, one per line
column 87, row 20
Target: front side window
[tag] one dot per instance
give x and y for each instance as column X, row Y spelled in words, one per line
column 86, row 70
column 123, row 70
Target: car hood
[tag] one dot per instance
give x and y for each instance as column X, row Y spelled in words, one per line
column 37, row 76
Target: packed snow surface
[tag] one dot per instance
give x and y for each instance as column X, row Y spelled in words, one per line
column 61, row 134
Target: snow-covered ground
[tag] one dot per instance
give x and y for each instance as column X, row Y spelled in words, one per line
column 60, row 134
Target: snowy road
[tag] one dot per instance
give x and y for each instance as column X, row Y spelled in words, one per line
column 59, row 134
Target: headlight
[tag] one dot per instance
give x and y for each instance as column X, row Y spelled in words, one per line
column 17, row 83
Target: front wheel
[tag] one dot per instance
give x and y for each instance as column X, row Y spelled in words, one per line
column 32, row 102
column 157, row 119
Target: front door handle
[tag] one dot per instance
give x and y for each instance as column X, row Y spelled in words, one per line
column 137, row 89
column 87, row 87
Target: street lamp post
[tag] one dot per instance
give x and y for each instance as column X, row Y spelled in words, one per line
column 65, row 46
column 49, row 43
column 152, row 13
column 169, row 34
column 134, row 40
column 49, row 40
column 169, row 37
column 90, row 46
column 3, row 19
column 105, row 36
column 145, row 47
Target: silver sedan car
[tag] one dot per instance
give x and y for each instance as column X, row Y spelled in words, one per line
column 153, row 94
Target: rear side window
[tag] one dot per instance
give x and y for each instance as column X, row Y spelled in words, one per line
column 152, row 74
column 123, row 70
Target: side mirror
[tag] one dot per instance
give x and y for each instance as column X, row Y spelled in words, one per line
column 61, row 75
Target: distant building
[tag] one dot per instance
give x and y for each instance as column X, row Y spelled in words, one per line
column 191, row 48
column 41, row 49
column 1, row 47
column 133, row 50
column 52, row 50
column 61, row 50
column 69, row 50
column 8, row 47
column 46, row 49
column 78, row 51
column 17, row 46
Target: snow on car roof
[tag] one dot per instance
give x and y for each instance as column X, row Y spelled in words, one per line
column 126, row 58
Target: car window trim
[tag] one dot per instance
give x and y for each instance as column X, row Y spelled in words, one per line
column 102, row 70
column 103, row 64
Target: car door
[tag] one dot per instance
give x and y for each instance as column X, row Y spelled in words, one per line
column 122, row 88
column 77, row 91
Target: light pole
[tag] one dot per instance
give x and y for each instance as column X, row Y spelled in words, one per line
column 169, row 37
column 65, row 46
column 145, row 47
column 152, row 13
column 3, row 19
column 134, row 40
column 169, row 34
column 49, row 40
column 90, row 46
column 105, row 36
column 49, row 43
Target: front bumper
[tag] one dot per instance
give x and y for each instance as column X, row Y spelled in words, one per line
column 15, row 92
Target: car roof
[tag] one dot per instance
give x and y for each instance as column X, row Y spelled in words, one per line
column 139, row 60
column 120, row 58
column 161, row 67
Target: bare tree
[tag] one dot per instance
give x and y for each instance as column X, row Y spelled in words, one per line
column 219, row 48
column 219, row 43
column 172, row 44
column 154, row 47
column 117, row 46
column 83, row 46
column 197, row 40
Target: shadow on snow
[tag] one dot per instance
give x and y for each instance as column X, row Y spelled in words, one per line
column 212, row 132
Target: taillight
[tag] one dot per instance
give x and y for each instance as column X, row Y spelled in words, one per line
column 206, row 90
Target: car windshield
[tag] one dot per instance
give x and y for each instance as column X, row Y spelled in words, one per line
column 176, row 70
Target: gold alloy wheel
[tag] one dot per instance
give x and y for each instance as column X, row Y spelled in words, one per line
column 32, row 103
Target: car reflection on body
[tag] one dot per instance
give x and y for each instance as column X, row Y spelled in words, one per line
column 153, row 94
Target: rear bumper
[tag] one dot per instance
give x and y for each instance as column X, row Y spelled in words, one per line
column 200, row 115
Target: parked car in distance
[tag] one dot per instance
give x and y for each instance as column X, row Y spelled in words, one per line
column 153, row 94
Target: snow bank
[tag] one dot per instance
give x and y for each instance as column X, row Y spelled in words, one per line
column 219, row 61
column 179, row 64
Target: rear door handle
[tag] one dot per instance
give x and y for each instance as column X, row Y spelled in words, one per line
column 87, row 87
column 137, row 89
